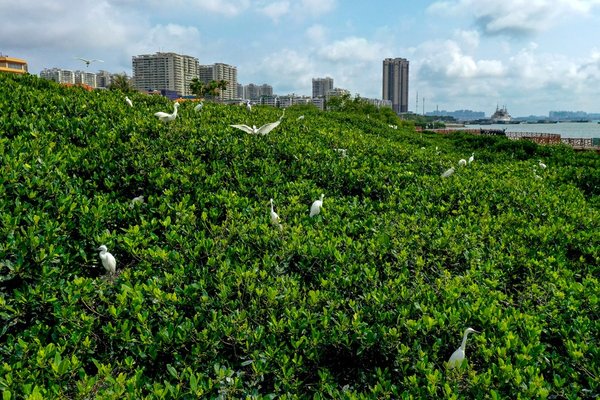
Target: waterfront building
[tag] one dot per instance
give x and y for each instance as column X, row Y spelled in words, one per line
column 395, row 83
column 165, row 71
column 12, row 65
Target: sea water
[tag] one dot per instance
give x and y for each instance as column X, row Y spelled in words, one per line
column 565, row 129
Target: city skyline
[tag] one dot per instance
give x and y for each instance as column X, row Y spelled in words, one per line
column 533, row 57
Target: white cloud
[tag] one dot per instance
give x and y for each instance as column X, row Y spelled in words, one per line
column 353, row 49
column 316, row 33
column 171, row 37
column 514, row 17
column 469, row 39
column 316, row 7
column 276, row 10
column 228, row 8
column 446, row 59
column 63, row 25
column 288, row 70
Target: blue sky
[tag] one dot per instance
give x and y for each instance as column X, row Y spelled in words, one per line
column 534, row 56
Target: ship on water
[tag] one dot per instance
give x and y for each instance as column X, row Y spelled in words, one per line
column 501, row 116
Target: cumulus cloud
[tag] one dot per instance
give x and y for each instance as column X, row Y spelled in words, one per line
column 287, row 69
column 316, row 33
column 276, row 10
column 228, row 8
column 62, row 24
column 352, row 48
column 514, row 17
column 447, row 60
column 171, row 37
column 317, row 7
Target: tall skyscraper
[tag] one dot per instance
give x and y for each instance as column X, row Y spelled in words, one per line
column 395, row 83
column 320, row 86
column 165, row 71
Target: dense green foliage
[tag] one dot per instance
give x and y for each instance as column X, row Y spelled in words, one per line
column 366, row 300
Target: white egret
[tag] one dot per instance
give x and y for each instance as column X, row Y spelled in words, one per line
column 248, row 105
column 128, row 101
column 300, row 118
column 448, row 172
column 458, row 356
column 109, row 262
column 315, row 209
column 462, row 162
column 87, row 62
column 341, row 151
column 199, row 107
column 136, row 200
column 166, row 117
column 263, row 130
column 541, row 164
column 274, row 217
column 472, row 158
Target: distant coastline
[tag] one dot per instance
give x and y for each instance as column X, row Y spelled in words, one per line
column 589, row 129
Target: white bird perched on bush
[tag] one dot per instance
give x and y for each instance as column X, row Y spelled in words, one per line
column 274, row 216
column 448, row 172
column 462, row 162
column 541, row 164
column 128, row 101
column 458, row 356
column 341, row 151
column 109, row 262
column 248, row 105
column 199, row 107
column 300, row 118
column 136, row 200
column 315, row 209
column 472, row 158
column 166, row 117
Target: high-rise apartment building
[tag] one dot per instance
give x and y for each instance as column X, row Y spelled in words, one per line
column 255, row 92
column 86, row 78
column 265, row 90
column 320, row 86
column 58, row 75
column 221, row 72
column 165, row 71
column 395, row 83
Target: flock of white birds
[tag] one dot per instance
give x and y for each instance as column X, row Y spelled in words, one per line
column 110, row 264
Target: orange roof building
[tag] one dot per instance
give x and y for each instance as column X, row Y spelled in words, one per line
column 14, row 65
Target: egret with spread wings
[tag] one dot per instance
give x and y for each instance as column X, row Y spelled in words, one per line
column 263, row 130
